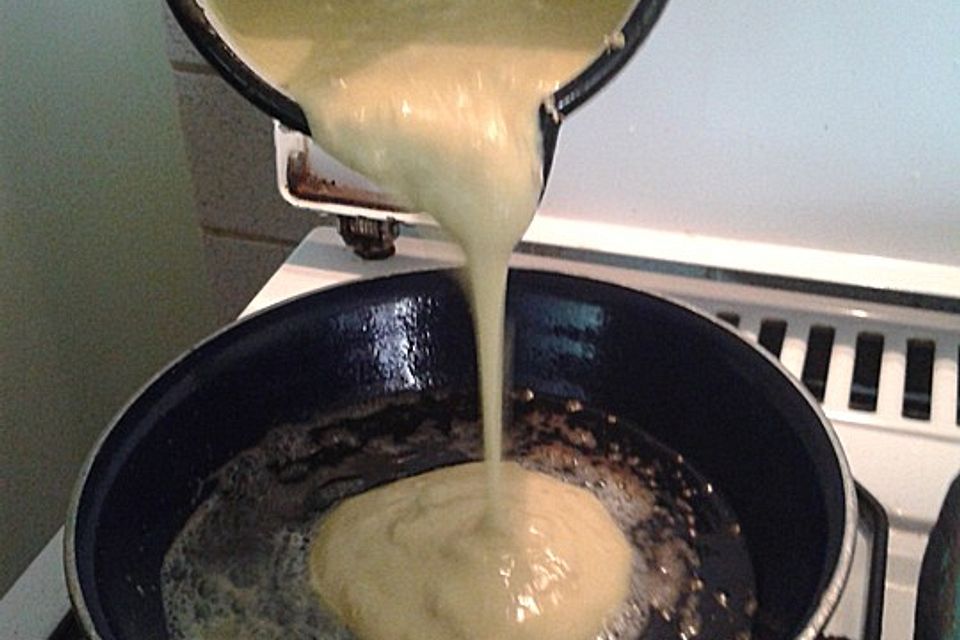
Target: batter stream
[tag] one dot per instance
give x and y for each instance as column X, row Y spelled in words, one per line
column 437, row 101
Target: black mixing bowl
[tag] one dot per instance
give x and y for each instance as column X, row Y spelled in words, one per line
column 272, row 101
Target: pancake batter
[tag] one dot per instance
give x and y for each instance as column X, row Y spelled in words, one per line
column 437, row 101
column 418, row 559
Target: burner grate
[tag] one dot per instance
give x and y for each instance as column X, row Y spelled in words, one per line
column 889, row 367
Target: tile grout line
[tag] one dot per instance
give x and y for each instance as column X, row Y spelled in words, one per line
column 248, row 236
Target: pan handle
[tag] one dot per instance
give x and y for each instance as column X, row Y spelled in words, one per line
column 873, row 512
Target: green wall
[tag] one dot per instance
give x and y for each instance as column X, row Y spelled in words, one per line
column 101, row 277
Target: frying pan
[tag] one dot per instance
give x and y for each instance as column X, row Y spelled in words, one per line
column 692, row 383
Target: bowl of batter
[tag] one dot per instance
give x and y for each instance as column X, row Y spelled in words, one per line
column 611, row 31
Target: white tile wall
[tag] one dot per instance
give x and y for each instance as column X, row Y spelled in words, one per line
column 230, row 149
column 248, row 228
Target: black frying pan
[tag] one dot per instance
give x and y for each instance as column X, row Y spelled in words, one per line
column 693, row 384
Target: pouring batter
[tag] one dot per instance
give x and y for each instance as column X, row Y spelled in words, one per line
column 549, row 569
column 437, row 101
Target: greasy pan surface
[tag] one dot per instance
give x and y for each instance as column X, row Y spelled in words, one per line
column 692, row 384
